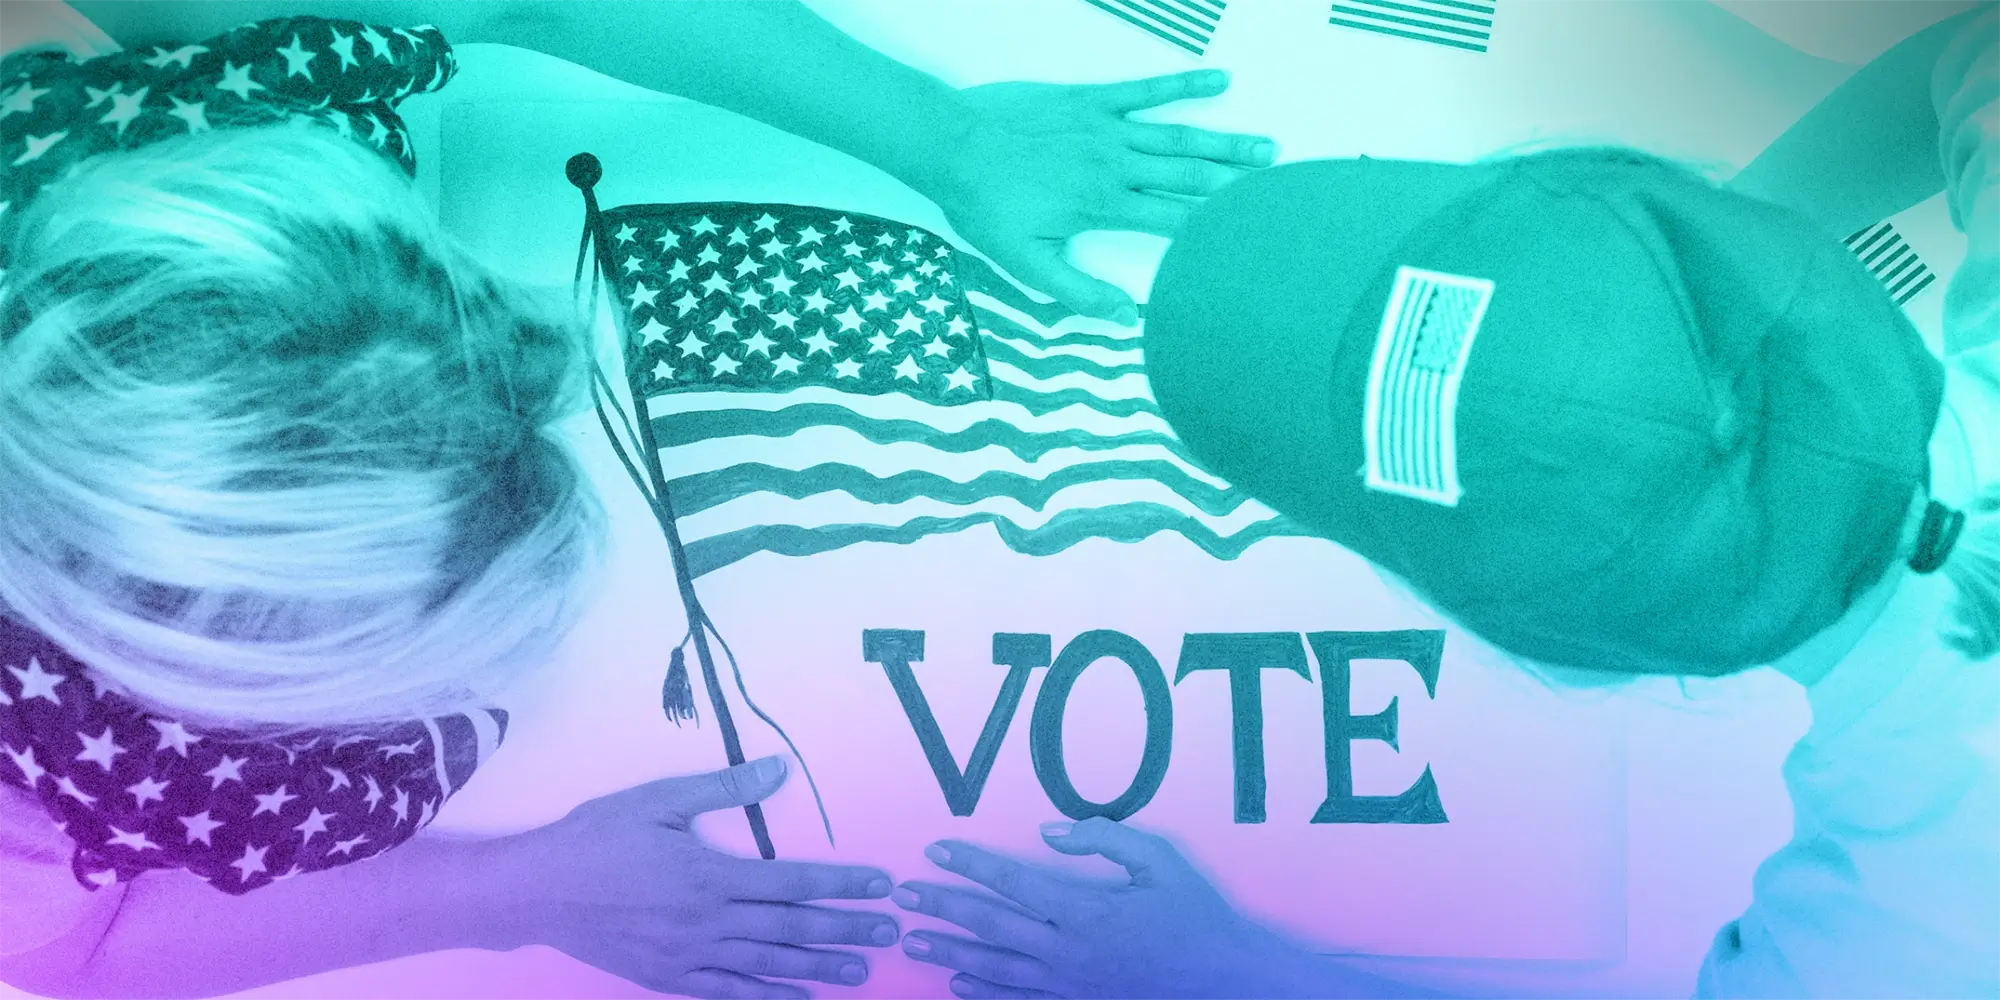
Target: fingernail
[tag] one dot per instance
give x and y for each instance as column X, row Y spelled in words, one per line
column 1057, row 829
column 1126, row 315
column 883, row 934
column 878, row 888
column 853, row 974
column 905, row 898
column 1263, row 152
column 770, row 769
column 1217, row 78
column 916, row 946
column 938, row 854
column 959, row 987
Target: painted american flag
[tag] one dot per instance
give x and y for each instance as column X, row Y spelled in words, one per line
column 1184, row 24
column 1458, row 24
column 137, row 790
column 1426, row 334
column 818, row 379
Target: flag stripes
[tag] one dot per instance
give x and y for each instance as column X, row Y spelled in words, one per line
column 1185, row 24
column 1420, row 351
column 1882, row 250
column 1456, row 23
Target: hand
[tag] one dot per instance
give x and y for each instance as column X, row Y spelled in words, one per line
column 1040, row 163
column 623, row 884
column 1164, row 932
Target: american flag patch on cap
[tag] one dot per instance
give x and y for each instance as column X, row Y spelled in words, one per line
column 1420, row 351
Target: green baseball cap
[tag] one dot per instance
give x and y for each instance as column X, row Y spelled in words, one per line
column 1599, row 411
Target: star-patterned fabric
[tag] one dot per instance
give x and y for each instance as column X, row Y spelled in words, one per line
column 55, row 111
column 136, row 790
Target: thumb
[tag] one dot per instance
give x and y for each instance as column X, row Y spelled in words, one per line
column 1042, row 266
column 682, row 799
column 1139, row 853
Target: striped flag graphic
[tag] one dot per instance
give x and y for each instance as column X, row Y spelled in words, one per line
column 818, row 379
column 1188, row 24
column 1892, row 261
column 1420, row 351
column 1461, row 24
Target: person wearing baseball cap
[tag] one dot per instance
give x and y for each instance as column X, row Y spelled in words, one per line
column 1618, row 421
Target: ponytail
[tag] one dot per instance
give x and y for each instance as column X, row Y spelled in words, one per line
column 1972, row 625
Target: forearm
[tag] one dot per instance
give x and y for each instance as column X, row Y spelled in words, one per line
column 174, row 935
column 771, row 60
column 1869, row 150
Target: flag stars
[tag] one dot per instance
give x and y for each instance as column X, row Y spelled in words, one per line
column 298, row 59
column 937, row 348
column 183, row 55
column 905, row 285
column 38, row 145
column 692, row 344
column 784, row 320
column 746, row 266
column 875, row 302
column 678, row 272
column 336, row 779
column 782, row 283
column 815, row 302
column 785, row 364
column 125, row 109
column 911, row 257
column 752, row 298
column 377, row 44
column 707, row 256
column 726, row 365
column 200, row 827
column 927, row 268
column 100, row 750
column 625, row 233
column 395, row 750
column 773, row 246
column 634, row 265
column 880, row 343
column 687, row 303
column 909, row 322
column 643, row 296
column 880, row 266
column 908, row 368
column 811, row 262
column 374, row 796
column 343, row 46
column 662, row 372
column 669, row 240
column 38, row 683
column 401, row 807
column 853, row 249
column 809, row 235
column 842, row 226
column 849, row 368
column 194, row 114
column 758, row 344
column 704, row 227
column 653, row 332
column 935, row 304
column 885, row 240
column 236, row 80
column 715, row 283
column 97, row 96
column 849, row 320
column 915, row 236
column 314, row 825
column 133, row 840
column 227, row 770
column 957, row 326
column 722, row 323
column 21, row 99
column 818, row 343
column 960, row 379
column 273, row 803
column 942, row 252
column 68, row 787
column 104, row 879
column 30, row 768
column 347, row 847
column 739, row 238
column 767, row 223
column 251, row 863
column 848, row 279
column 173, row 737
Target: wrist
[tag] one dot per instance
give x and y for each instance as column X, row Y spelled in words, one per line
column 929, row 144
column 500, row 877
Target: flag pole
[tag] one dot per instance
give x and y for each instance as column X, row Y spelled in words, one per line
column 584, row 170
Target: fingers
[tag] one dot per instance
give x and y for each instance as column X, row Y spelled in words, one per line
column 720, row 984
column 975, row 988
column 1139, row 212
column 991, row 919
column 1040, row 264
column 1178, row 174
column 1134, row 95
column 778, row 961
column 1141, row 854
column 1038, row 890
column 758, row 881
column 983, row 961
column 682, row 799
column 1188, row 142
column 795, row 924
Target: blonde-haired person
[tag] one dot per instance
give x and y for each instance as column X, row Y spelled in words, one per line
column 1689, row 434
column 281, row 509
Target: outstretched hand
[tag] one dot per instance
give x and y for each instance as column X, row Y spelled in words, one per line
column 1040, row 163
column 1162, row 932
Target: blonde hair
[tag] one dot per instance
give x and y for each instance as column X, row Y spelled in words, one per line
column 274, row 452
column 1972, row 625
